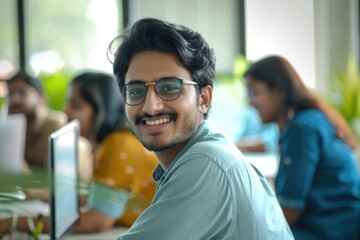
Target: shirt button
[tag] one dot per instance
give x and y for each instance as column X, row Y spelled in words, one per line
column 287, row 161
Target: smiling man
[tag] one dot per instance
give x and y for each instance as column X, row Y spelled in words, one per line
column 206, row 190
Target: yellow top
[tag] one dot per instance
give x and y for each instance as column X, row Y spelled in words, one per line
column 122, row 162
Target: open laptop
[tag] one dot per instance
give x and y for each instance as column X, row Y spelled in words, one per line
column 64, row 178
column 12, row 143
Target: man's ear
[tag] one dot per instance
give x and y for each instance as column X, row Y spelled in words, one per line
column 205, row 99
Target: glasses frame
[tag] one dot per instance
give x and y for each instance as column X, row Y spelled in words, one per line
column 147, row 84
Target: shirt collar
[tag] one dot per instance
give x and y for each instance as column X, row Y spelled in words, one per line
column 202, row 131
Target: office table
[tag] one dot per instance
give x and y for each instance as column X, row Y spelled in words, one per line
column 34, row 207
column 111, row 234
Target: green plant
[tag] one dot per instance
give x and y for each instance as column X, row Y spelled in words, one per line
column 12, row 186
column 55, row 85
column 230, row 91
column 345, row 95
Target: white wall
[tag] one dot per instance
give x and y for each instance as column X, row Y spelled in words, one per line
column 337, row 37
column 215, row 20
column 317, row 36
column 282, row 27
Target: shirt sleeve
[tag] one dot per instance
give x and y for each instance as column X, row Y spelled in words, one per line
column 116, row 159
column 182, row 201
column 299, row 160
column 106, row 200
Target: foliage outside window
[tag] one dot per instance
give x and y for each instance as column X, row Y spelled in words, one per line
column 345, row 95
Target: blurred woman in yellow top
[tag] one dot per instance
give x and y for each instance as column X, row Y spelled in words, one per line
column 122, row 185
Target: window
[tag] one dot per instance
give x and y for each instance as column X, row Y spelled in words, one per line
column 70, row 33
column 61, row 33
column 8, row 38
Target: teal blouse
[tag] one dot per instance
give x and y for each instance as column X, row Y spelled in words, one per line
column 318, row 176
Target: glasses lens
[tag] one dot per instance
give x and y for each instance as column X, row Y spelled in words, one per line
column 134, row 93
column 168, row 89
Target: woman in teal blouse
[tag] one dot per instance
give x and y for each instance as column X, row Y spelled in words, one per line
column 318, row 183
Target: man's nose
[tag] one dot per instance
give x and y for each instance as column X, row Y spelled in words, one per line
column 15, row 97
column 152, row 103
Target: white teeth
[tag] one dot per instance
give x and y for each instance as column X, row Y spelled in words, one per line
column 158, row 121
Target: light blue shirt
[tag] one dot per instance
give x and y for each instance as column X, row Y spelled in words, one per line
column 210, row 192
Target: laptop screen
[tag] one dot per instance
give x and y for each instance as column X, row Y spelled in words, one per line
column 63, row 166
column 12, row 143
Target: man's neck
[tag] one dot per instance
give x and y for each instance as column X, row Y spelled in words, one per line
column 166, row 157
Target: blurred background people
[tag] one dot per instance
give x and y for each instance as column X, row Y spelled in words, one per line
column 256, row 136
column 122, row 185
column 242, row 123
column 26, row 96
column 318, row 183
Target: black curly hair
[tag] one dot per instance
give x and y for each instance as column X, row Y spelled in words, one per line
column 153, row 34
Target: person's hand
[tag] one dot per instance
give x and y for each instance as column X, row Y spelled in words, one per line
column 26, row 169
column 38, row 193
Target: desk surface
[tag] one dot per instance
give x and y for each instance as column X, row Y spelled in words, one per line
column 34, row 207
column 111, row 234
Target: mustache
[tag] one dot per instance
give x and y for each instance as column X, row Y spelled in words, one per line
column 140, row 118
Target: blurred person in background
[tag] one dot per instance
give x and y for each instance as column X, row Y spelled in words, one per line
column 121, row 186
column 26, row 96
column 318, row 183
column 256, row 136
column 122, row 166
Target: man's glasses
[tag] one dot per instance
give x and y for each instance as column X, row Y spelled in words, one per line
column 168, row 89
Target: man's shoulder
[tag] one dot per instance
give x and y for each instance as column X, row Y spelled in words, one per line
column 221, row 151
column 55, row 118
column 215, row 144
column 47, row 121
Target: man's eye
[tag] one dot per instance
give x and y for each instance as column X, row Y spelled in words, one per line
column 74, row 104
column 169, row 87
column 137, row 91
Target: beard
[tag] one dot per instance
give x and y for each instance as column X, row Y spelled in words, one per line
column 30, row 113
column 158, row 146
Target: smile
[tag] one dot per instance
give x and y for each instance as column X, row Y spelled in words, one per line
column 157, row 122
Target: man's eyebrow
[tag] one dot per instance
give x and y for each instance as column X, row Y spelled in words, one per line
column 155, row 80
column 135, row 81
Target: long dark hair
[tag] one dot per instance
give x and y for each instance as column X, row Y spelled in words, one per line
column 277, row 73
column 101, row 91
